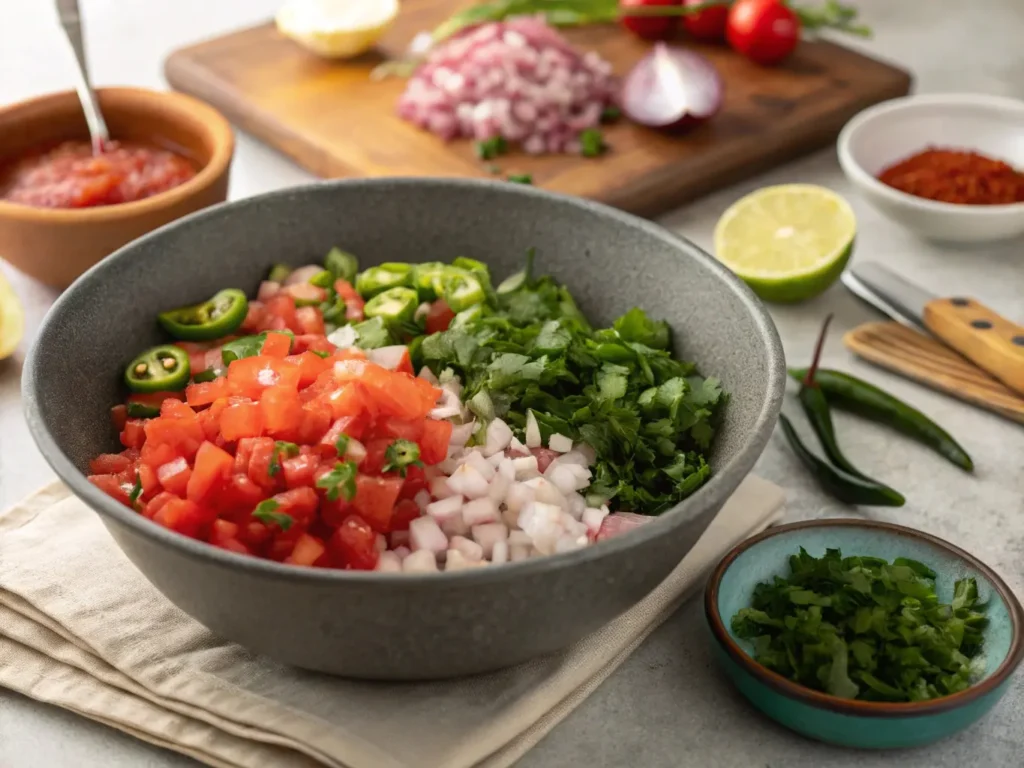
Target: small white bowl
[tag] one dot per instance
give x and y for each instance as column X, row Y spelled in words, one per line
column 893, row 130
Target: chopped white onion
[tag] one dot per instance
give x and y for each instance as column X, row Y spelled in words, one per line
column 480, row 511
column 440, row 489
column 422, row 561
column 515, row 447
column 445, row 509
column 389, row 562
column 471, row 550
column 480, row 464
column 517, row 552
column 499, row 435
column 593, row 517
column 355, row 451
column 425, row 534
column 422, row 500
column 499, row 554
column 455, row 526
column 488, row 535
column 519, row 495
column 344, row 337
column 545, row 491
column 462, row 432
column 388, row 357
column 532, row 431
column 467, row 480
column 402, row 551
column 560, row 443
column 525, row 467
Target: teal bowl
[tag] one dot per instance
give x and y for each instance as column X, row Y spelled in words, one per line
column 851, row 723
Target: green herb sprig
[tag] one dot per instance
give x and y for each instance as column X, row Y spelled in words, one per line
column 340, row 482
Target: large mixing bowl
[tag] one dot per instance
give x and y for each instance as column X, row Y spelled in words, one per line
column 396, row 626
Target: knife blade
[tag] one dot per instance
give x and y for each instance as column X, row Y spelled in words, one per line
column 990, row 341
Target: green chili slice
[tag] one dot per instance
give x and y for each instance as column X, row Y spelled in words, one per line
column 211, row 319
column 142, row 411
column 279, row 273
column 159, row 369
column 341, row 264
column 203, row 376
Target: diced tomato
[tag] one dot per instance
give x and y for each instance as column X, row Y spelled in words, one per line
column 147, row 477
column 223, row 530
column 180, row 515
column 353, row 301
column 352, row 426
column 350, row 399
column 113, row 486
column 156, row 503
column 354, row 545
column 241, row 420
column 312, row 343
column 434, row 441
column 213, row 466
column 306, row 293
column 119, row 417
column 298, row 470
column 134, row 434
column 282, row 543
column 243, row 453
column 260, row 463
column 173, row 408
column 389, row 426
column 182, row 435
column 316, row 420
column 415, row 481
column 282, row 412
column 250, row 376
column 334, row 511
column 174, row 476
column 439, row 317
column 310, row 366
column 206, row 392
column 209, row 419
column 375, row 500
column 398, row 394
column 277, row 345
column 253, row 318
column 282, row 307
column 254, row 534
column 405, row 512
column 309, row 320
column 157, row 454
column 109, row 464
column 307, row 551
column 240, row 493
column 375, row 449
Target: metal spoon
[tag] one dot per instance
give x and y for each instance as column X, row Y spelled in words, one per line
column 70, row 19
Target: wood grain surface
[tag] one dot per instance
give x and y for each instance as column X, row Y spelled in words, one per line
column 930, row 362
column 334, row 121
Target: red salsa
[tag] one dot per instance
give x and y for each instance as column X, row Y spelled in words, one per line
column 69, row 176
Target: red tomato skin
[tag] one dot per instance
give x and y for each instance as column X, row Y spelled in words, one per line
column 299, row 470
column 354, row 303
column 156, row 503
column 251, row 376
column 310, row 366
column 707, row 25
column 375, row 500
column 213, row 466
column 134, row 433
column 157, row 454
column 240, row 493
column 649, row 27
column 312, row 343
column 109, row 464
column 181, row 515
column 434, row 441
column 354, row 545
column 241, row 420
column 309, row 321
column 262, row 457
column 174, row 476
column 206, row 392
column 405, row 512
column 415, row 481
column 439, row 316
column 279, row 307
column 400, row 429
column 113, row 486
column 254, row 317
column 282, row 412
column 374, row 462
column 333, row 513
column 300, row 503
column 316, row 420
column 765, row 31
column 147, row 477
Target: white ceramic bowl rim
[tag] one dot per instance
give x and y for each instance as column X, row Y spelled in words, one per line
column 870, row 114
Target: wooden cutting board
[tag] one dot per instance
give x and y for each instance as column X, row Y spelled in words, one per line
column 334, row 121
column 930, row 362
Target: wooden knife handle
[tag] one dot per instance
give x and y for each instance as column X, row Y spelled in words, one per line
column 990, row 341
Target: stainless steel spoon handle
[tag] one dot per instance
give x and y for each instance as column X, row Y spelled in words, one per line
column 70, row 19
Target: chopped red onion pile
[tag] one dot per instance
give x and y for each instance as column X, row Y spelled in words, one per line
column 518, row 79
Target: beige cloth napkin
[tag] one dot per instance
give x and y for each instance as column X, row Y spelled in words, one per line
column 81, row 628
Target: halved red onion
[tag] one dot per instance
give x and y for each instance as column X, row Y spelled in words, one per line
column 672, row 88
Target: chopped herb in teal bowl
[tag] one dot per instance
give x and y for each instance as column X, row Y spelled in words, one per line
column 864, row 634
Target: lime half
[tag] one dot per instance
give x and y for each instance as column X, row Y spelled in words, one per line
column 336, row 29
column 788, row 243
column 12, row 318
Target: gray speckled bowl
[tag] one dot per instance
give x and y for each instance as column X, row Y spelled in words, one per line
column 383, row 626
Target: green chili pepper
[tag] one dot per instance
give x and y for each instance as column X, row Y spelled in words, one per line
column 214, row 318
column 847, row 488
column 208, row 375
column 323, row 279
column 341, row 264
column 159, row 369
column 461, row 289
column 858, row 396
column 142, row 411
column 816, row 408
column 279, row 273
column 426, row 279
column 377, row 279
column 395, row 305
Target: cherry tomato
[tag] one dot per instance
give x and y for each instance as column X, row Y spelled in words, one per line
column 765, row 31
column 707, row 24
column 649, row 27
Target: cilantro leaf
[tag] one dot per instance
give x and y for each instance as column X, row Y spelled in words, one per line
column 861, row 627
column 341, row 444
column 340, row 482
column 266, row 512
column 281, row 448
column 401, row 455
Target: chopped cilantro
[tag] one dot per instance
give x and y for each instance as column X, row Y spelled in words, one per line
column 320, row 353
column 340, row 481
column 610, row 114
column 281, row 448
column 136, row 489
column 520, row 178
column 863, row 628
column 266, row 512
column 401, row 455
column 592, row 143
column 341, row 444
column 489, row 149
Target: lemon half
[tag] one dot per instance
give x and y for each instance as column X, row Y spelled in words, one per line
column 789, row 242
column 336, row 29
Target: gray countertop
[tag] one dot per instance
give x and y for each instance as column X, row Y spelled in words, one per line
column 668, row 705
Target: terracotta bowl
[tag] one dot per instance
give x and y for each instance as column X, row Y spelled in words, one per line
column 55, row 245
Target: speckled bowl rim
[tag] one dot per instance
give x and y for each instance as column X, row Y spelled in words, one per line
column 866, row 708
column 715, row 491
column 859, row 174
column 214, row 125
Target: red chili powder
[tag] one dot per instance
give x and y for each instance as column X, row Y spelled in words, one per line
column 956, row 176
